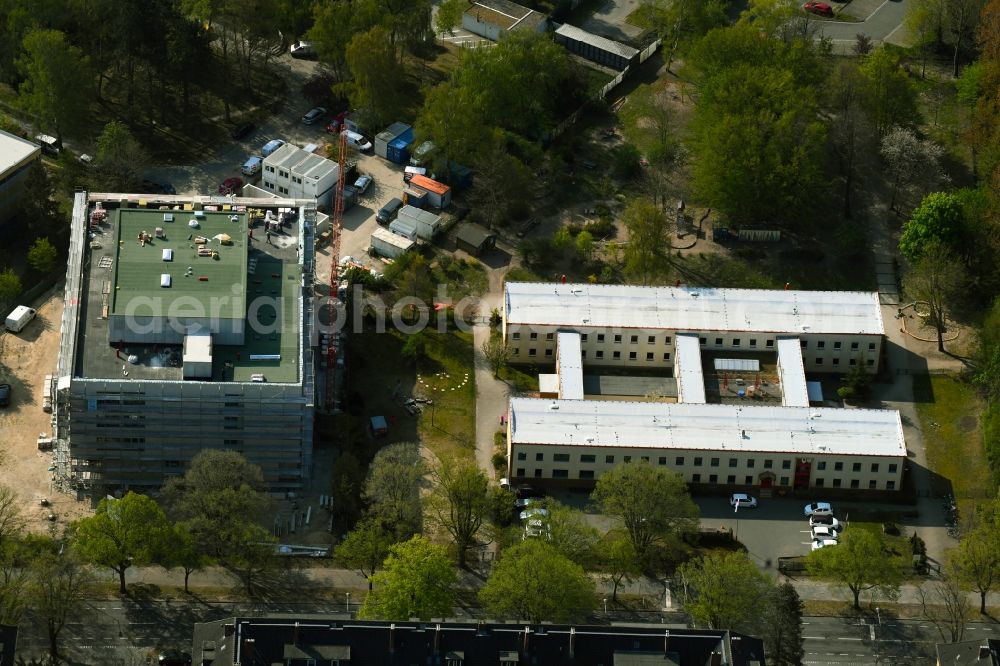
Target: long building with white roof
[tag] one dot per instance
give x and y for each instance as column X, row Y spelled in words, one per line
column 633, row 326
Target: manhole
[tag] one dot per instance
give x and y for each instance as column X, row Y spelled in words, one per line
column 968, row 423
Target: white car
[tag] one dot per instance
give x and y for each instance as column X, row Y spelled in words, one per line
column 819, row 509
column 531, row 514
column 823, row 543
column 829, row 521
column 302, row 50
column 525, row 502
column 742, row 501
column 362, row 184
column 822, row 532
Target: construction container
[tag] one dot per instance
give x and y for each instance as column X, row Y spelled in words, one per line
column 427, row 223
column 390, row 134
column 385, row 243
column 405, row 228
column 415, row 198
column 438, row 194
column 398, row 151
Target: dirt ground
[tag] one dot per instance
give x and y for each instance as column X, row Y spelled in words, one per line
column 25, row 359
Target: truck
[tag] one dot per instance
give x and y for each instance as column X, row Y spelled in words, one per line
column 19, row 318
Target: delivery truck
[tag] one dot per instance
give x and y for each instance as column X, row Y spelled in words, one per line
column 19, row 318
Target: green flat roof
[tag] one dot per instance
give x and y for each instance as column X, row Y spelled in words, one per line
column 138, row 267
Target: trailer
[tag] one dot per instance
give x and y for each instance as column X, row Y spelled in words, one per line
column 388, row 244
column 438, row 194
column 427, row 224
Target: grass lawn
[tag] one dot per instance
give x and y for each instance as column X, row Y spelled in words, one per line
column 523, row 381
column 446, row 376
column 954, row 442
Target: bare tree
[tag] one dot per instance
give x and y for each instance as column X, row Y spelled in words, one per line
column 936, row 279
column 497, row 353
column 852, row 132
column 11, row 518
column 963, row 15
column 912, row 163
column 945, row 604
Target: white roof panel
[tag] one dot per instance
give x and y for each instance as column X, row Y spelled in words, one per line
column 693, row 308
column 14, row 151
column 687, row 369
column 737, row 364
column 570, row 366
column 791, row 373
column 713, row 427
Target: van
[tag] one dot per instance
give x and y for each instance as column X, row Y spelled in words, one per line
column 19, row 318
column 252, row 166
column 387, row 213
column 411, row 171
column 358, row 141
column 50, row 145
column 271, row 146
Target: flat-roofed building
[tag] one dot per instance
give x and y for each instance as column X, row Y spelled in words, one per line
column 794, row 391
column 180, row 333
column 574, row 441
column 17, row 156
column 295, row 173
column 596, row 48
column 687, row 368
column 635, row 327
column 493, row 19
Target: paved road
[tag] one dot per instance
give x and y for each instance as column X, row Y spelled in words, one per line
column 884, row 24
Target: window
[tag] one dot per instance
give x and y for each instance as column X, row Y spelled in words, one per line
column 819, row 482
column 870, row 363
column 634, row 339
column 804, row 344
column 836, row 344
column 768, row 464
column 515, row 351
column 649, row 356
column 821, row 465
column 548, row 353
column 854, row 346
column 696, row 478
column 890, row 485
column 532, row 352
column 663, row 460
column 714, row 462
column 588, row 458
column 666, row 356
column 855, row 483
column 871, row 346
column 600, row 337
column 521, row 455
column 627, row 459
column 520, row 471
column 703, row 341
column 560, row 457
column 538, row 473
column 786, row 464
column 583, row 337
column 836, row 483
column 852, row 362
column 698, row 461
column 718, row 342
column 783, row 481
column 713, row 478
column 748, row 480
column 753, row 342
column 616, row 355
column 736, row 342
column 631, row 356
column 610, row 460
column 836, row 361
column 560, row 474
column 515, row 336
column 750, row 463
column 679, row 460
column 732, row 462
column 651, row 340
column 821, row 344
column 600, row 354
column 819, row 360
column 731, row 479
column 872, row 484
column 618, row 339
column 856, row 467
column 586, row 474
column 838, row 467
column 534, row 336
column 892, row 468
column 549, row 336
column 769, row 343
column 583, row 353
column 644, row 459
column 539, row 457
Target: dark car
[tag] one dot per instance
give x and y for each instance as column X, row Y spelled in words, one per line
column 526, row 491
column 231, row 185
column 4, row 395
column 313, row 115
column 173, row 658
column 241, row 131
column 152, row 187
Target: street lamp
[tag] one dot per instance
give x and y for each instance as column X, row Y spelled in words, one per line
column 605, row 605
column 348, row 602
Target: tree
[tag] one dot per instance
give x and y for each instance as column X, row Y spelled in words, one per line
column 911, row 162
column 963, row 15
column 417, row 580
column 55, row 89
column 497, row 353
column 781, row 626
column 11, row 516
column 10, row 285
column 392, row 488
column 851, row 134
column 42, row 255
column 500, row 180
column 459, row 502
column 936, row 279
column 585, row 246
column 570, row 533
column 859, row 563
column 723, row 591
column 449, row 15
column 646, row 252
column 365, row 548
column 120, row 159
column 679, row 21
column 122, row 533
column 376, row 76
column 56, row 592
column 945, row 604
column 653, row 502
column 347, row 482
column 857, row 384
column 977, row 561
column 890, row 97
column 250, row 553
column 183, row 552
column 939, row 217
column 618, row 560
column 532, row 581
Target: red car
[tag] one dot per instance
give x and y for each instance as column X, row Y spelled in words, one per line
column 231, row 186
column 820, row 8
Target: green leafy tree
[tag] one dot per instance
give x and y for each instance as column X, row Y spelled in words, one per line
column 860, row 563
column 618, row 560
column 533, row 582
column 11, row 515
column 570, row 533
column 365, row 548
column 58, row 582
column 347, row 483
column 56, row 89
column 939, row 217
column 10, row 285
column 937, row 279
column 449, row 15
column 250, row 554
column 679, row 22
column 123, row 533
column 857, row 384
column 459, row 502
column 452, row 120
column 585, row 246
column 42, row 255
column 497, row 353
column 646, row 253
column 120, row 159
column 780, row 626
column 417, row 580
column 652, row 502
column 392, row 489
column 891, row 99
column 376, row 77
column 977, row 561
column 723, row 591
column 183, row 553
column 500, row 180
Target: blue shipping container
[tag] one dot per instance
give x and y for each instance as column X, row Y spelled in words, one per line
column 406, row 136
column 398, row 151
column 415, row 197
